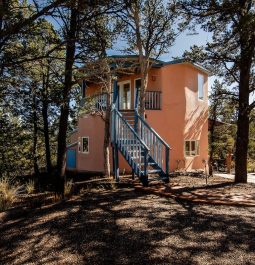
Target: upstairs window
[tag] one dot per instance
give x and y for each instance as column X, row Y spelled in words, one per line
column 200, row 82
column 85, row 145
column 191, row 148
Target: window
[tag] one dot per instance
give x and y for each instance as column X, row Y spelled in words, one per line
column 191, row 148
column 85, row 145
column 200, row 82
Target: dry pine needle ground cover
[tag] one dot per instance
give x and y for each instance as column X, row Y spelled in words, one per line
column 218, row 190
column 124, row 226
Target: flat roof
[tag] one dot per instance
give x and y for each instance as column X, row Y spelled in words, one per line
column 159, row 63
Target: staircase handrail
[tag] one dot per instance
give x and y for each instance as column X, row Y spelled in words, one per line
column 131, row 129
column 164, row 143
column 152, row 130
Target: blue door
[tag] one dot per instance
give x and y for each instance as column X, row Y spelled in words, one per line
column 71, row 158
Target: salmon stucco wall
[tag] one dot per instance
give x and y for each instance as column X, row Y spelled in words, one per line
column 92, row 127
column 73, row 137
column 183, row 115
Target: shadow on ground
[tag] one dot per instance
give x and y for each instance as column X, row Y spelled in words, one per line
column 126, row 227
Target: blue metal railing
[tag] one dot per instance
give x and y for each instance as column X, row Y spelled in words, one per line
column 130, row 144
column 152, row 100
column 141, row 146
column 159, row 149
column 97, row 102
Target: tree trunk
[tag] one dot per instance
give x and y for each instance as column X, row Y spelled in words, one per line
column 45, row 106
column 144, row 83
column 46, row 136
column 35, row 132
column 143, row 60
column 242, row 137
column 212, row 137
column 63, row 122
column 107, row 168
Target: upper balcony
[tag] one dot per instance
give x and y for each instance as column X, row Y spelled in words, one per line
column 98, row 101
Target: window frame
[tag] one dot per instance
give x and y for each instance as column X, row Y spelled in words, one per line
column 188, row 153
column 82, row 150
column 199, row 90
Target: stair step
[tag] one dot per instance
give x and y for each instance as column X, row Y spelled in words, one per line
column 165, row 179
column 149, row 164
column 136, row 157
column 153, row 171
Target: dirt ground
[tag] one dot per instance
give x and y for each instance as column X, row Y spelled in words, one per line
column 124, row 226
column 182, row 184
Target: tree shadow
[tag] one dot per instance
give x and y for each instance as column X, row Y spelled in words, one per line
column 209, row 186
column 127, row 227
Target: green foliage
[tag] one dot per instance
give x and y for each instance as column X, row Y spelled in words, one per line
column 222, row 113
column 149, row 23
column 223, row 110
column 14, row 146
column 26, row 90
column 230, row 54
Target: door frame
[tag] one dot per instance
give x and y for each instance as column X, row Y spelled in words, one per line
column 121, row 85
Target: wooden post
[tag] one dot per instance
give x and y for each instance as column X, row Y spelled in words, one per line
column 116, row 163
column 136, row 110
column 133, row 174
column 115, row 92
column 145, row 177
column 167, row 161
column 113, row 161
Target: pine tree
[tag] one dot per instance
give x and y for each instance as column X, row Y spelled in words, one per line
column 231, row 53
column 150, row 30
column 222, row 115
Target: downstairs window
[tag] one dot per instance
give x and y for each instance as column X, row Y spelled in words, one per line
column 85, row 145
column 191, row 148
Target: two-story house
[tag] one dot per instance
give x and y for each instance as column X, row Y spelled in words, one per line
column 173, row 135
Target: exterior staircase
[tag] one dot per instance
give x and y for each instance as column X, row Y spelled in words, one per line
column 144, row 150
column 129, row 116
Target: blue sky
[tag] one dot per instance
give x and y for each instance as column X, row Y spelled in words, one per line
column 183, row 42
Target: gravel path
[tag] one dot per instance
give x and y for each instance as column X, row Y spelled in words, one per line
column 127, row 227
